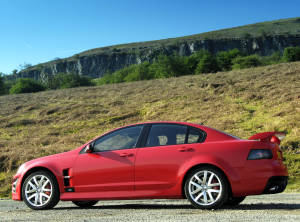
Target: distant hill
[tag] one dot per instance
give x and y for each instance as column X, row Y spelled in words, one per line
column 241, row 102
column 261, row 38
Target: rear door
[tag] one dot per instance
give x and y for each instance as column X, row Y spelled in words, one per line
column 165, row 149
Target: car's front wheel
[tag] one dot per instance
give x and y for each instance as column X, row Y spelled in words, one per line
column 206, row 188
column 40, row 190
column 85, row 203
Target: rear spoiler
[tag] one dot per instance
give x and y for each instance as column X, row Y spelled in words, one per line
column 275, row 137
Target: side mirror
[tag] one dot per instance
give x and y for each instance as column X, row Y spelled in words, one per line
column 89, row 148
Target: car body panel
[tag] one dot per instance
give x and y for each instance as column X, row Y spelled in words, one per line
column 53, row 163
column 104, row 171
column 167, row 161
column 158, row 172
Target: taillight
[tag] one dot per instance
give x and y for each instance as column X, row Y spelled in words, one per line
column 259, row 154
column 275, row 139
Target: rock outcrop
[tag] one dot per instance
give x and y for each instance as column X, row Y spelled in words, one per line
column 96, row 63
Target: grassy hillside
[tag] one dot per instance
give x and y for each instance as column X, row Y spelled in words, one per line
column 241, row 102
column 277, row 27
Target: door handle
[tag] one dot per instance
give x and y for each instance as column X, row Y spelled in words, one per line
column 185, row 149
column 126, row 154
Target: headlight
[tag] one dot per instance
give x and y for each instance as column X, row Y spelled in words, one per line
column 260, row 154
column 21, row 168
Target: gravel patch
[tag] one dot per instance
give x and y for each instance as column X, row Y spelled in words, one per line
column 277, row 207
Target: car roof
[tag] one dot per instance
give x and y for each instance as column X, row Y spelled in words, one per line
column 212, row 134
column 172, row 122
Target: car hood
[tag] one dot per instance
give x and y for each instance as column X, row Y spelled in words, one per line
column 56, row 157
column 56, row 161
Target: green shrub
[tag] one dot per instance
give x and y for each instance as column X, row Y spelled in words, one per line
column 141, row 72
column 291, row 54
column 120, row 75
column 168, row 66
column 106, row 79
column 272, row 59
column 225, row 59
column 2, row 86
column 193, row 60
column 26, row 86
column 207, row 64
column 7, row 85
column 63, row 81
column 126, row 74
column 246, row 62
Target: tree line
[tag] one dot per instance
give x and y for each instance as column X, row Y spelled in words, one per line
column 164, row 66
column 198, row 63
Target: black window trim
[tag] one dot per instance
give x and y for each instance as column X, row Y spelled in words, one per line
column 200, row 140
column 144, row 136
column 142, row 140
column 82, row 151
column 148, row 126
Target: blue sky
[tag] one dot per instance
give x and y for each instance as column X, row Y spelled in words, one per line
column 35, row 31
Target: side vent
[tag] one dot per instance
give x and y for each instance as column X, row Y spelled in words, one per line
column 68, row 183
column 66, row 177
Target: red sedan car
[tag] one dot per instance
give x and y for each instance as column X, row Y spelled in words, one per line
column 156, row 160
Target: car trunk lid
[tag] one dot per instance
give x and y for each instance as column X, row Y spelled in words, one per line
column 273, row 137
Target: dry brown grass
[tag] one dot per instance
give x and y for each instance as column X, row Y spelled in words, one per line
column 241, row 102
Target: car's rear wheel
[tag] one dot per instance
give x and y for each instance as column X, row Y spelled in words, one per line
column 85, row 203
column 206, row 188
column 40, row 190
column 234, row 201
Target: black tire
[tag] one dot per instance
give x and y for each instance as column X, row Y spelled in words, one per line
column 234, row 201
column 84, row 204
column 52, row 185
column 218, row 198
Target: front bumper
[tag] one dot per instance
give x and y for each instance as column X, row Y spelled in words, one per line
column 16, row 188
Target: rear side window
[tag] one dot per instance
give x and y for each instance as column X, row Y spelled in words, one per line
column 166, row 134
column 195, row 136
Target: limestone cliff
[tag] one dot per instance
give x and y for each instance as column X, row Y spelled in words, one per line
column 261, row 38
column 97, row 64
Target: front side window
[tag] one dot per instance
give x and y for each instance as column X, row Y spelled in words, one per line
column 121, row 139
column 166, row 134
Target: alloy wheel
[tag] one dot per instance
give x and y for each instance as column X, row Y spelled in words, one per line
column 38, row 190
column 205, row 188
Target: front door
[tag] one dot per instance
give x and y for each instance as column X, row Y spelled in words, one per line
column 109, row 169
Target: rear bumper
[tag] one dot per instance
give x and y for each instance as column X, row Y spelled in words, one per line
column 261, row 177
column 276, row 184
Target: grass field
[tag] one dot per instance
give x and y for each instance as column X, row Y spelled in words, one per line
column 241, row 102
